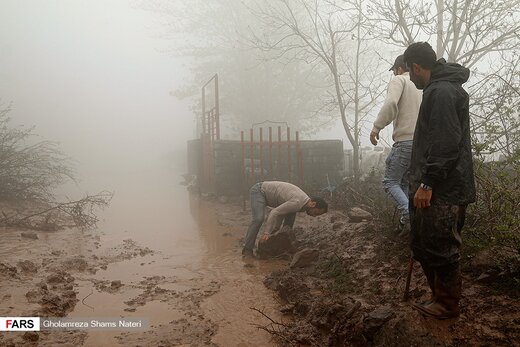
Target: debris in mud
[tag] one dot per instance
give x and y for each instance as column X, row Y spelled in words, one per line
column 31, row 336
column 8, row 271
column 57, row 301
column 59, row 277
column 76, row 263
column 27, row 266
column 116, row 284
column 357, row 215
column 127, row 250
column 338, row 226
column 53, row 305
column 29, row 235
column 278, row 244
column 305, row 257
column 375, row 320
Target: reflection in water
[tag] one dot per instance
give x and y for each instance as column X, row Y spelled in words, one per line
column 221, row 226
column 190, row 250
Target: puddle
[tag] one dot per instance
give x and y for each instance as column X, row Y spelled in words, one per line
column 159, row 254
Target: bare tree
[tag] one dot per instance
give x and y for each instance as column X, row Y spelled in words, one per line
column 496, row 109
column 465, row 31
column 29, row 168
column 332, row 36
column 482, row 35
column 254, row 87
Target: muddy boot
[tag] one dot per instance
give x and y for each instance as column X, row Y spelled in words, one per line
column 430, row 277
column 448, row 286
column 247, row 253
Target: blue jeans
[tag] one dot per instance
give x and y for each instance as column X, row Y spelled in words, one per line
column 258, row 205
column 395, row 180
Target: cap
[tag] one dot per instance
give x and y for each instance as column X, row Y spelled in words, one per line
column 399, row 62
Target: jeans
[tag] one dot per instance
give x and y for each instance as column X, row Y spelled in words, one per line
column 395, row 181
column 258, row 205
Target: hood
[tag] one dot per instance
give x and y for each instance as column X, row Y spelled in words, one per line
column 450, row 72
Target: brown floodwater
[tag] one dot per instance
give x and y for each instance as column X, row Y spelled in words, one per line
column 192, row 248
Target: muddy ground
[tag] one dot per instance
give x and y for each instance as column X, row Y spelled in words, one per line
column 347, row 293
column 194, row 288
column 352, row 295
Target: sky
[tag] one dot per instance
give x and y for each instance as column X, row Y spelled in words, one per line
column 95, row 77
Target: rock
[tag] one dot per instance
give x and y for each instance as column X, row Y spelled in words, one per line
column 223, row 199
column 270, row 283
column 277, row 244
column 337, row 216
column 305, row 257
column 8, row 270
column 287, row 308
column 31, row 336
column 484, row 277
column 33, row 296
column 375, row 320
column 55, row 278
column 27, row 266
column 29, row 235
column 116, row 284
column 76, row 263
column 337, row 226
column 357, row 215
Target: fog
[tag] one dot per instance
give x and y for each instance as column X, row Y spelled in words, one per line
column 95, row 77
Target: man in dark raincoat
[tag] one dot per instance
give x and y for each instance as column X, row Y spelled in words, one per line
column 441, row 176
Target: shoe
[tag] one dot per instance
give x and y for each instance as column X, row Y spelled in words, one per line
column 247, row 253
column 445, row 305
column 438, row 310
column 404, row 229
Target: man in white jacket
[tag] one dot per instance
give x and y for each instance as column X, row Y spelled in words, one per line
column 401, row 107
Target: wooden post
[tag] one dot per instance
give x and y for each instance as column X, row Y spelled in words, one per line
column 288, row 154
column 270, row 152
column 298, row 159
column 217, row 109
column 261, row 154
column 279, row 166
column 244, row 178
column 252, row 154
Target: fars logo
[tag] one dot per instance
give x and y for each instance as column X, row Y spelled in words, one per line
column 19, row 323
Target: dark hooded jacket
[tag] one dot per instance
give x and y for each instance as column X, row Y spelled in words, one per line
column 441, row 154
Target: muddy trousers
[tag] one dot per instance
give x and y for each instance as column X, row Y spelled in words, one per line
column 436, row 245
column 444, row 280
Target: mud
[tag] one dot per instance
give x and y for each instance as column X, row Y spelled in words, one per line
column 175, row 264
column 352, row 295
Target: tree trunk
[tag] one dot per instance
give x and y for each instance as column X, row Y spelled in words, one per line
column 440, row 28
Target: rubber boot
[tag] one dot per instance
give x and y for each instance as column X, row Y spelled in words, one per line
column 430, row 277
column 448, row 287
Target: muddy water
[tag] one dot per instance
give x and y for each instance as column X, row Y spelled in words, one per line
column 196, row 261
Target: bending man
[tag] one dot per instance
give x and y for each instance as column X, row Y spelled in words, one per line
column 285, row 199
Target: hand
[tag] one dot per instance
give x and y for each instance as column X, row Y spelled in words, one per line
column 422, row 198
column 264, row 237
column 374, row 137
